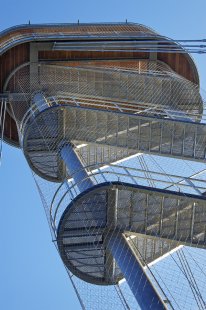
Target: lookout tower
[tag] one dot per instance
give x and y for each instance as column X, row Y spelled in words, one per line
column 80, row 100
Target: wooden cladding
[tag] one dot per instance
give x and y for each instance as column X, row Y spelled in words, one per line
column 8, row 62
column 181, row 64
column 11, row 60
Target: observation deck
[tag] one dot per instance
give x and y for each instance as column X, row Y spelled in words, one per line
column 78, row 45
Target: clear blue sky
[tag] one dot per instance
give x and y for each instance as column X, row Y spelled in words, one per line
column 31, row 273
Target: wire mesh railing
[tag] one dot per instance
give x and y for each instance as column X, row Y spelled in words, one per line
column 127, row 175
column 151, row 90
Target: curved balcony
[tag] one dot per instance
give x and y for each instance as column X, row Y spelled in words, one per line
column 154, row 208
column 13, row 39
column 100, row 136
column 121, row 174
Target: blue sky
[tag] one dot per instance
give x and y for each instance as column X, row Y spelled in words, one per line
column 31, row 273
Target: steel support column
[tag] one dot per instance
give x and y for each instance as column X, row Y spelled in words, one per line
column 40, row 101
column 139, row 283
column 75, row 167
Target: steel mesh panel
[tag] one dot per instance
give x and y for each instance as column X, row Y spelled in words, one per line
column 143, row 87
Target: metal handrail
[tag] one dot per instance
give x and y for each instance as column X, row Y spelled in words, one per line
column 32, row 112
column 120, row 107
column 55, row 35
column 49, row 25
column 118, row 175
column 20, row 38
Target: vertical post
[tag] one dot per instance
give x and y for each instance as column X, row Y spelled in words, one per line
column 140, row 285
column 34, row 58
column 75, row 167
